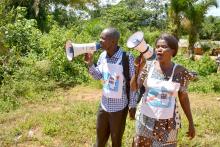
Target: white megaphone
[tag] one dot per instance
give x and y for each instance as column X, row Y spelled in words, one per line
column 78, row 49
column 137, row 42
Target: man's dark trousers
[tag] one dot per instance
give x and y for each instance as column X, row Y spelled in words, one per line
column 110, row 123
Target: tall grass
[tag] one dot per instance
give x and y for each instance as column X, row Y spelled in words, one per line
column 68, row 121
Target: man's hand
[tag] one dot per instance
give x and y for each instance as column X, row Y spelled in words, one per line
column 68, row 44
column 88, row 59
column 132, row 112
column 191, row 132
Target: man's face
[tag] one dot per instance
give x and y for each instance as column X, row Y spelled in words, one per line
column 107, row 43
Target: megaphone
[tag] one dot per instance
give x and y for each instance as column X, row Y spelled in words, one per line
column 77, row 49
column 137, row 42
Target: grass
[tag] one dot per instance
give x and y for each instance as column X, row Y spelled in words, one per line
column 69, row 119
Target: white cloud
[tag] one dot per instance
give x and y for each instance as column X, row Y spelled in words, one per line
column 214, row 11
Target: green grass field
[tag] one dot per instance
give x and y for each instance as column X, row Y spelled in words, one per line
column 68, row 120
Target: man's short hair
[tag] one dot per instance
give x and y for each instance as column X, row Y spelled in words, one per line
column 113, row 33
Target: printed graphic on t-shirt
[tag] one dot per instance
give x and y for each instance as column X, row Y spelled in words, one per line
column 159, row 97
column 111, row 82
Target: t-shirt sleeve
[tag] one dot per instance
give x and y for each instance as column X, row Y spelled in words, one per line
column 183, row 77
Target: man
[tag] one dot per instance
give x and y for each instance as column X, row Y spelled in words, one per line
column 112, row 113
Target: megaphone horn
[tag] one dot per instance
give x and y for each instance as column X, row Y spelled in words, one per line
column 74, row 50
column 137, row 42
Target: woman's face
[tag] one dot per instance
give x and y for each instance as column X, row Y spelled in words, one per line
column 163, row 51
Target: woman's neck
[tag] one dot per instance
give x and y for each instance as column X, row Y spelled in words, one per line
column 166, row 65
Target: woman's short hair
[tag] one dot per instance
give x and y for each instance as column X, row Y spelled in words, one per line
column 171, row 41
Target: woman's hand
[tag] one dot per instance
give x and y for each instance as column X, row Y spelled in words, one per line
column 184, row 101
column 133, row 83
column 139, row 63
column 132, row 112
column 191, row 131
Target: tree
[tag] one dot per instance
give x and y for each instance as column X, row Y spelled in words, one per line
column 134, row 4
column 122, row 16
column 195, row 14
column 175, row 12
column 210, row 28
column 5, row 18
column 40, row 9
column 158, row 10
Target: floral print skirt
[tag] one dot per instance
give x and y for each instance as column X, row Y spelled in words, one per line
column 155, row 133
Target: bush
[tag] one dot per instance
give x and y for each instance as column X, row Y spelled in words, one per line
column 37, row 63
column 210, row 83
column 206, row 69
column 61, row 70
column 206, row 47
column 23, row 36
column 28, row 81
column 205, row 66
column 151, row 34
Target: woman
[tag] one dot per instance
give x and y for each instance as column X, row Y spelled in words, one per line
column 157, row 117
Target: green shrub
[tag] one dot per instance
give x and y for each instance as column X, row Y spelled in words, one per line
column 151, row 35
column 208, row 80
column 205, row 66
column 206, row 47
column 23, row 36
column 37, row 62
column 26, row 81
column 210, row 83
column 61, row 70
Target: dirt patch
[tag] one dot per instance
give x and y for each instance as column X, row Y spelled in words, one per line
column 201, row 100
column 80, row 93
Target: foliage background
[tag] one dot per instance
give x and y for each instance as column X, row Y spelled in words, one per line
column 32, row 57
column 33, row 63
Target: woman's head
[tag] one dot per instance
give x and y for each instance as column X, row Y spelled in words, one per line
column 171, row 42
column 166, row 47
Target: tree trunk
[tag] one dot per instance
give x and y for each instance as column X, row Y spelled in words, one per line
column 176, row 28
column 192, row 40
column 191, row 52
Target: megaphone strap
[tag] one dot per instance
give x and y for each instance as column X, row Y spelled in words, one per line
column 145, row 50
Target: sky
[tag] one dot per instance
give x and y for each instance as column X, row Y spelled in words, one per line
column 214, row 11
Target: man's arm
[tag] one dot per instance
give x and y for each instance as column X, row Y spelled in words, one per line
column 93, row 70
column 132, row 101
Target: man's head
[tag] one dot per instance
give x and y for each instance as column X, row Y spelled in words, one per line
column 109, row 40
